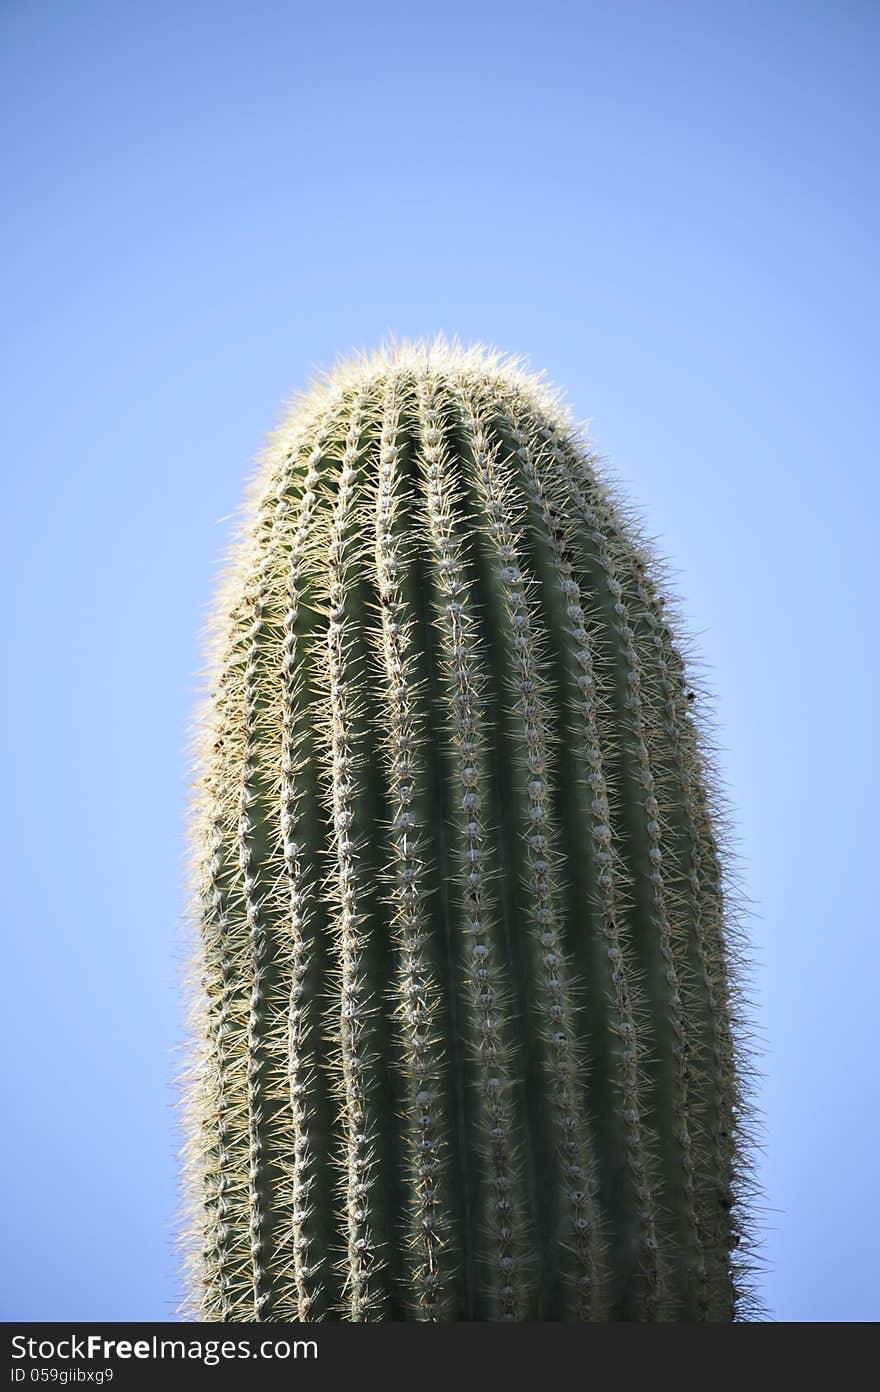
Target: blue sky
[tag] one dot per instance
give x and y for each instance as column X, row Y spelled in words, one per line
column 669, row 208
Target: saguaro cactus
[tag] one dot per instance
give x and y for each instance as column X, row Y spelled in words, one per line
column 464, row 1029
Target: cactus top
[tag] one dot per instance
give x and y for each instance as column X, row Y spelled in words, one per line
column 464, row 1021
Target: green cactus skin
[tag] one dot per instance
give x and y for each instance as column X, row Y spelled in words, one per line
column 465, row 1028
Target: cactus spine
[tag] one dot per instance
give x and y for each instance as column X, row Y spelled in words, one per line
column 465, row 1031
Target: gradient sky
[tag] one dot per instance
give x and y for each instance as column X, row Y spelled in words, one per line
column 670, row 208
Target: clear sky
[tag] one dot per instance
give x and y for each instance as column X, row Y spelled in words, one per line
column 670, row 207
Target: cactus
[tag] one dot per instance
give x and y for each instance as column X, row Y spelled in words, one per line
column 465, row 1029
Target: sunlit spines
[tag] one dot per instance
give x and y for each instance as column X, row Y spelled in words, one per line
column 218, row 1114
column 219, row 911
column 354, row 992
column 295, row 776
column 417, row 988
column 465, row 704
column 219, row 1256
column 257, row 888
